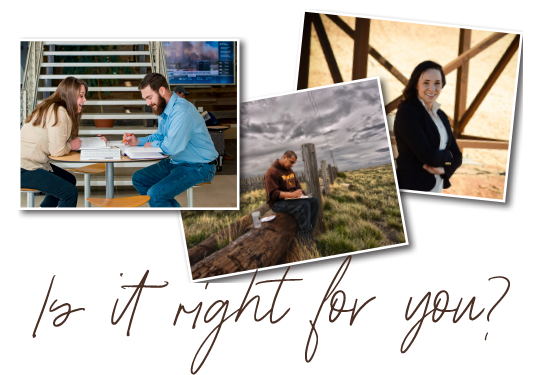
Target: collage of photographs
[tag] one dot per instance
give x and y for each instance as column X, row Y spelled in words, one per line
column 310, row 174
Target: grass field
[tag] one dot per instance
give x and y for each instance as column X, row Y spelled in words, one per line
column 362, row 212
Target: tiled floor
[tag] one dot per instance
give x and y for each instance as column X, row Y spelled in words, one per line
column 221, row 193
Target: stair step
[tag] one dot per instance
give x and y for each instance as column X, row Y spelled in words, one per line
column 94, row 43
column 116, row 130
column 109, row 88
column 97, row 76
column 104, row 65
column 112, row 102
column 118, row 116
column 96, row 53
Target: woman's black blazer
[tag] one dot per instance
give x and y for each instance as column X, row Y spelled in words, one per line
column 418, row 139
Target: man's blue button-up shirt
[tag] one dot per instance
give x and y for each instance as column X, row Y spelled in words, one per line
column 182, row 134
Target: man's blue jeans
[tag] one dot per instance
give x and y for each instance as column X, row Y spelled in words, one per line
column 59, row 185
column 305, row 211
column 165, row 180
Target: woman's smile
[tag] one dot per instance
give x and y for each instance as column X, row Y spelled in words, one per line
column 429, row 86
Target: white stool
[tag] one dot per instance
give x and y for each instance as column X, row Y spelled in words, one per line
column 190, row 193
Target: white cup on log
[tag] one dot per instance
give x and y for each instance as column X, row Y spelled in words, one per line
column 256, row 219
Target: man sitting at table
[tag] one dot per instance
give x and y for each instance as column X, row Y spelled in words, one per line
column 182, row 135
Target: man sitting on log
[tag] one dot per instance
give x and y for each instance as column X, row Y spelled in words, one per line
column 283, row 192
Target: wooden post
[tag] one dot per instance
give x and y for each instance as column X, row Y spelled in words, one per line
column 334, row 168
column 330, row 174
column 305, row 50
column 309, row 156
column 361, row 48
column 462, row 80
column 325, row 177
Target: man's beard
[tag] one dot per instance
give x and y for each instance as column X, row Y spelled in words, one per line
column 160, row 106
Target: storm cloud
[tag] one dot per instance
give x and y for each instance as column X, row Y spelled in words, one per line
column 345, row 121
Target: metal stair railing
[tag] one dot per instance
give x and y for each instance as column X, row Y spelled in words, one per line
column 31, row 79
column 157, row 58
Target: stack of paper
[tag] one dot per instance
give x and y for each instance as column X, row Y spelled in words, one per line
column 144, row 152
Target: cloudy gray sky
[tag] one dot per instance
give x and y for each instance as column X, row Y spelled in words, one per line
column 350, row 123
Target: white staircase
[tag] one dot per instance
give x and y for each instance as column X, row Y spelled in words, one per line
column 46, row 66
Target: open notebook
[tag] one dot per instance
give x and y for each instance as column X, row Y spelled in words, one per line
column 300, row 197
column 94, row 143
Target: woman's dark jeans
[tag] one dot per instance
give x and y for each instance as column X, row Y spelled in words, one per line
column 59, row 185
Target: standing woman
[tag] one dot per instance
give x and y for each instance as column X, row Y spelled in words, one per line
column 52, row 129
column 428, row 152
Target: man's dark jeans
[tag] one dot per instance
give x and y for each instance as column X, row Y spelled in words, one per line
column 305, row 211
column 59, row 185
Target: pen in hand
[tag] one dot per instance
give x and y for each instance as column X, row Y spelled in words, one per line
column 129, row 135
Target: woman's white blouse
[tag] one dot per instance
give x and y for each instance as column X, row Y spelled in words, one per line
column 442, row 144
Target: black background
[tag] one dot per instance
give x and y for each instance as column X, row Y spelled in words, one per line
column 456, row 245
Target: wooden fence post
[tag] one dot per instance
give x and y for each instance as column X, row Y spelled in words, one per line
column 311, row 170
column 330, row 174
column 324, row 173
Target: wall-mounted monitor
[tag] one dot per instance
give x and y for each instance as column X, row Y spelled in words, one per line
column 200, row 62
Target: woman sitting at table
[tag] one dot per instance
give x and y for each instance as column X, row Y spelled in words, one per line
column 428, row 152
column 52, row 129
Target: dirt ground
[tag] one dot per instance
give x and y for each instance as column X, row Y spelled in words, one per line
column 477, row 181
column 407, row 44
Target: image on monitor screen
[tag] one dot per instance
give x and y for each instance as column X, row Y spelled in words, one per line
column 200, row 62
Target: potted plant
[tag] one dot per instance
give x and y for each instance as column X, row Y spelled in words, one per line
column 99, row 123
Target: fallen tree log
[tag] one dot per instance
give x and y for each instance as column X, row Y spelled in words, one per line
column 258, row 248
column 209, row 246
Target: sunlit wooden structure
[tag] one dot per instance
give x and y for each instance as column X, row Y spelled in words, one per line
column 360, row 35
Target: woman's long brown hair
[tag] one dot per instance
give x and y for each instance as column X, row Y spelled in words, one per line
column 65, row 96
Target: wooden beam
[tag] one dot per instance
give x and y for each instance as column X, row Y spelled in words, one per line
column 472, row 52
column 386, row 64
column 495, row 74
column 361, row 48
column 327, row 48
column 462, row 80
column 372, row 51
column 305, row 50
column 341, row 24
column 477, row 138
column 456, row 63
column 491, row 145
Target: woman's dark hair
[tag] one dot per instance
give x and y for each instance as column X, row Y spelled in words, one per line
column 66, row 96
column 410, row 92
